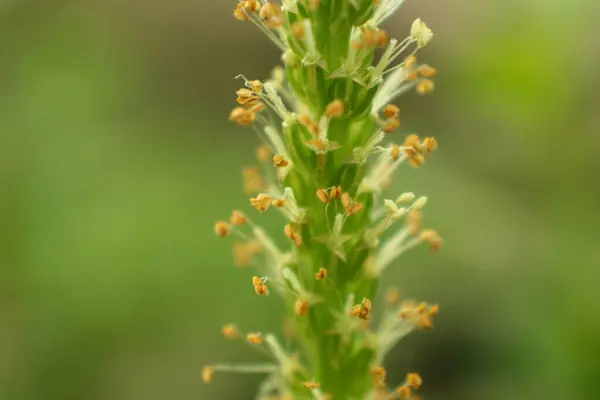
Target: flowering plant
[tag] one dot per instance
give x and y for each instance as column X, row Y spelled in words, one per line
column 323, row 120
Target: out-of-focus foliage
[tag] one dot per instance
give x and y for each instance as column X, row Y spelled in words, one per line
column 116, row 156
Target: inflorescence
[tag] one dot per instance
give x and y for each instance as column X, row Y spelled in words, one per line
column 323, row 119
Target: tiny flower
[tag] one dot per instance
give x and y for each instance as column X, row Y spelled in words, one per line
column 263, row 153
column 430, row 144
column 301, row 307
column 239, row 13
column 391, row 125
column 390, row 206
column 425, row 322
column 207, row 374
column 378, row 374
column 254, row 338
column 322, row 274
column 256, row 86
column 222, row 229
column 271, row 15
column 335, row 109
column 257, row 107
column 362, row 310
column 426, row 86
column 259, row 286
column 410, row 62
column 280, row 161
column 244, row 252
column 412, row 142
column 278, row 202
column 352, row 207
column 382, row 38
column 414, row 220
column 433, row 239
column 404, row 392
column 414, row 380
column 426, row 71
column 312, row 385
column 242, row 116
column 309, row 123
column 230, row 331
column 237, row 218
column 346, row 200
column 261, row 202
column 391, row 111
column 298, row 29
column 392, row 296
column 405, row 198
column 323, row 196
column 421, row 33
column 292, row 235
column 433, row 310
column 335, row 192
column 395, row 152
column 420, row 203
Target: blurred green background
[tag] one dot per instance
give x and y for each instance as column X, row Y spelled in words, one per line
column 116, row 158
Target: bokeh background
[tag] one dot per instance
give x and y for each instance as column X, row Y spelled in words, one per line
column 116, row 158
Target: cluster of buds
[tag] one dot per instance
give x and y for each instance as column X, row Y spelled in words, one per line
column 323, row 165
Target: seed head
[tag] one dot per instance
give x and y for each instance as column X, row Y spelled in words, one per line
column 335, row 109
column 222, row 229
column 254, row 338
column 261, row 202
